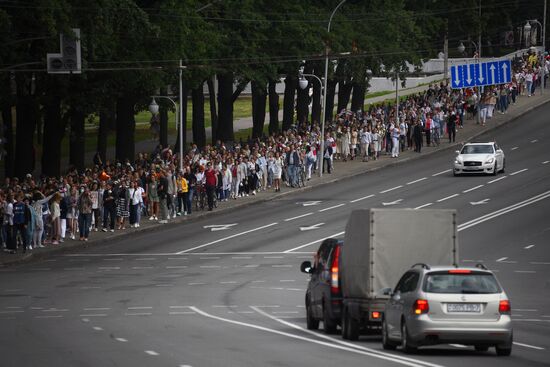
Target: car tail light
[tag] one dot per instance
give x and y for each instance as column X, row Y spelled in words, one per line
column 375, row 315
column 460, row 271
column 334, row 279
column 421, row 306
column 504, row 306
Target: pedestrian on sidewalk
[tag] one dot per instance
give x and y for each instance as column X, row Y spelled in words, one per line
column 153, row 197
column 277, row 171
column 451, row 127
column 94, row 196
column 21, row 219
column 417, row 136
column 182, row 189
column 163, row 197
column 11, row 244
column 136, row 201
column 211, row 182
column 84, row 213
column 109, row 208
column 122, row 205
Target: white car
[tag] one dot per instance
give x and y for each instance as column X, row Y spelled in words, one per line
column 479, row 158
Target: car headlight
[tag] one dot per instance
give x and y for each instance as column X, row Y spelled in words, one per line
column 490, row 160
column 459, row 160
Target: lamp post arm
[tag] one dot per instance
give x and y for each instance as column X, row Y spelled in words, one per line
column 334, row 12
column 314, row 76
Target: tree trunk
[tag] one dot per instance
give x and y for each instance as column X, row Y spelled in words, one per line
column 273, row 107
column 225, row 107
column 199, row 133
column 344, row 93
column 213, row 110
column 54, row 130
column 125, row 129
column 258, row 109
column 77, row 140
column 105, row 120
column 358, row 99
column 288, row 101
column 163, row 135
column 331, row 90
column 8, row 139
column 27, row 113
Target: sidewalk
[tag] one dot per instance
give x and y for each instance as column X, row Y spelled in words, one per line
column 342, row 170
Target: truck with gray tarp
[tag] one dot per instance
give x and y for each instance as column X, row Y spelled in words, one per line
column 379, row 246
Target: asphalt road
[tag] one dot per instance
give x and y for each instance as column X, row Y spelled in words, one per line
column 226, row 290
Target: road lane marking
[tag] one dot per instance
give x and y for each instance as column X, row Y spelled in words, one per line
column 440, row 173
column 281, row 266
column 142, row 267
column 363, row 198
column 174, row 313
column 528, row 346
column 514, row 148
column 539, row 263
column 177, row 267
column 525, row 271
column 96, row 308
column 314, row 242
column 226, row 238
column 109, row 268
column 49, row 317
column 151, row 352
column 297, row 217
column 534, row 141
column 458, row 345
column 525, row 309
column 196, row 283
column 497, row 179
column 545, row 162
column 501, row 259
column 473, row 188
column 448, row 197
column 241, row 257
column 13, row 311
column 520, row 171
column 140, row 308
column 210, row 266
column 415, row 181
column 138, row 314
column 145, row 259
column 122, row 340
column 115, row 259
column 342, row 344
column 331, row 207
column 97, row 328
column 229, row 282
column 529, row 246
column 503, row 211
column 423, row 206
column 93, row 315
column 393, row 188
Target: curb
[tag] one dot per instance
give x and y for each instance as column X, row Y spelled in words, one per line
column 66, row 248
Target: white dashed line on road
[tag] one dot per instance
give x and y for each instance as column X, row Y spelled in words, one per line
column 140, row 308
column 97, row 309
column 539, row 263
column 49, row 317
column 393, row 188
column 229, row 282
column 423, row 206
column 109, row 268
column 525, row 310
column 331, row 207
column 529, row 247
column 139, row 314
column 73, row 269
column 501, row 259
column 111, row 259
column 363, row 198
column 250, row 266
column 534, row 141
column 209, row 266
column 175, row 313
column 196, row 283
column 145, row 259
column 122, row 340
column 274, row 257
column 298, row 217
column 142, row 267
column 472, row 189
column 520, row 171
column 415, row 181
column 151, row 352
column 497, row 179
column 514, row 148
column 525, row 271
column 528, row 346
column 440, row 173
column 97, row 328
column 281, row 266
column 91, row 287
column 447, row 198
column 14, row 311
column 545, row 162
column 94, row 315
column 241, row 257
column 209, row 258
column 287, row 280
column 177, row 267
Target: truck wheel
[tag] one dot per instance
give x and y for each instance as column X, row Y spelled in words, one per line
column 405, row 340
column 329, row 325
column 311, row 322
column 386, row 342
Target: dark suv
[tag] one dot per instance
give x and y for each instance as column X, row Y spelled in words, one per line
column 323, row 295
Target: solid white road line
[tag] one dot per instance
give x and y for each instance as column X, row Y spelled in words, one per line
column 297, row 217
column 472, row 189
column 314, row 242
column 448, row 197
column 528, row 346
column 343, row 343
column 363, row 198
column 503, row 211
column 415, row 181
column 384, row 356
column 331, row 207
column 393, row 188
column 423, row 206
column 440, row 173
column 520, row 171
column 226, row 238
column 496, row 179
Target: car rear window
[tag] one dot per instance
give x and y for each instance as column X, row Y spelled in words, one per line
column 470, row 283
column 477, row 149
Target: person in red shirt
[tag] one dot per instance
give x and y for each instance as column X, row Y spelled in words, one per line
column 211, row 178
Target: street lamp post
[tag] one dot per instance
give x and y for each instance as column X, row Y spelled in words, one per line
column 323, row 118
column 303, row 82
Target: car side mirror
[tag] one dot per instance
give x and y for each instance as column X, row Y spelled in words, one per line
column 306, row 267
column 386, row 291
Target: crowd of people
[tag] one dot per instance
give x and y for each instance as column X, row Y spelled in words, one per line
column 113, row 196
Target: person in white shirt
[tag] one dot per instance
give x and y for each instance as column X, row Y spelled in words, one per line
column 136, row 201
column 366, row 140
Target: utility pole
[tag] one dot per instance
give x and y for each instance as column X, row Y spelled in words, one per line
column 396, row 98
column 543, row 46
column 446, row 58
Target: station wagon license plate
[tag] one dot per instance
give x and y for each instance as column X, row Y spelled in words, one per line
column 463, row 307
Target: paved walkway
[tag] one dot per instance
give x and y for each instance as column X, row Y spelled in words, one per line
column 341, row 170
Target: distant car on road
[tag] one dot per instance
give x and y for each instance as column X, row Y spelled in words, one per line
column 485, row 158
column 438, row 305
column 323, row 295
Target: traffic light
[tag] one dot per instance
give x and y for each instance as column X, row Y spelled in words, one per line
column 68, row 61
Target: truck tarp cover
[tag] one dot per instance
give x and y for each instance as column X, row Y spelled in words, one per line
column 399, row 238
